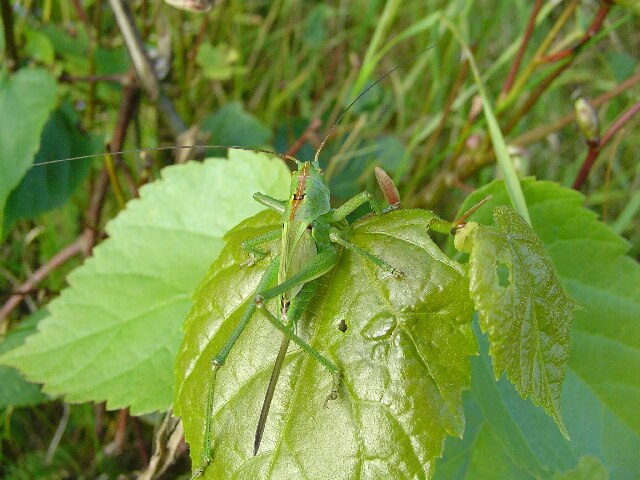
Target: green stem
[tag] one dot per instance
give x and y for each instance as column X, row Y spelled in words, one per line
column 441, row 226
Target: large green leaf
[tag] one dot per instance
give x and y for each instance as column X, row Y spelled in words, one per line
column 507, row 437
column 527, row 316
column 601, row 394
column 404, row 356
column 28, row 95
column 113, row 335
column 16, row 391
column 48, row 186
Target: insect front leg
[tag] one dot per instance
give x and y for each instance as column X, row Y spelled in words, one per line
column 335, row 237
column 270, row 202
column 352, row 204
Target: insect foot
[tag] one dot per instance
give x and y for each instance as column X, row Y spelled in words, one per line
column 397, row 273
column 259, row 299
column 335, row 389
column 198, row 472
column 335, row 237
column 250, row 262
column 391, row 208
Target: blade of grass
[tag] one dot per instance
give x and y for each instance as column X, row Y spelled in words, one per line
column 369, row 63
column 505, row 164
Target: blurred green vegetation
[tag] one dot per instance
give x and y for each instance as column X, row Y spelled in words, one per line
column 259, row 74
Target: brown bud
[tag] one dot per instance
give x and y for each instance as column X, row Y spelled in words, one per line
column 388, row 188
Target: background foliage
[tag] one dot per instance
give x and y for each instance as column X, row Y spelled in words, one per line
column 276, row 75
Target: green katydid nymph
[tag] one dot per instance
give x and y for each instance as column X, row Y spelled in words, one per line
column 310, row 230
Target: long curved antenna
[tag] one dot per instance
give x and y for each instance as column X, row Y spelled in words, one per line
column 344, row 112
column 235, row 147
column 157, row 149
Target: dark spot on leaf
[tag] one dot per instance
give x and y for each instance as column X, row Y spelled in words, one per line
column 342, row 326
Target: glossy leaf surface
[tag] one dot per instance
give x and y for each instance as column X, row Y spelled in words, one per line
column 404, row 356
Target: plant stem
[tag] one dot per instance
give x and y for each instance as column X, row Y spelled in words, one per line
column 77, row 247
column 143, row 67
column 523, row 47
column 568, row 55
column 596, row 25
column 9, row 37
column 541, row 132
column 596, row 147
column 535, row 96
column 522, row 79
column 315, row 124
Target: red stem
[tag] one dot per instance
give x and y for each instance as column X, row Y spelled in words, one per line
column 313, row 126
column 79, row 246
column 596, row 24
column 140, row 442
column 523, row 47
column 595, row 149
column 81, row 13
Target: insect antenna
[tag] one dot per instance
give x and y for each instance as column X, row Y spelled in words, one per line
column 235, row 147
column 175, row 147
column 360, row 95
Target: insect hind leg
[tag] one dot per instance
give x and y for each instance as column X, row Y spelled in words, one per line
column 324, row 361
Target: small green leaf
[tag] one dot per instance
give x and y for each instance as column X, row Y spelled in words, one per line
column 621, row 64
column 113, row 335
column 16, row 391
column 404, row 355
column 315, row 26
column 601, row 393
column 28, row 95
column 527, row 315
column 218, row 62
